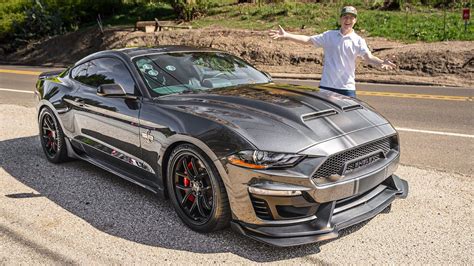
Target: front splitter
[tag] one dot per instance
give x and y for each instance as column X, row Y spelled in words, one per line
column 330, row 219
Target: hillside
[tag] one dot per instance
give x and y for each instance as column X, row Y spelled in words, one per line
column 441, row 63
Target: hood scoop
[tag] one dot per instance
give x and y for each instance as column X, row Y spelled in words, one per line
column 328, row 112
column 351, row 107
column 319, row 114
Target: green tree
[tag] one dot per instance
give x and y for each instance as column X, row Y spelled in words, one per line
column 190, row 9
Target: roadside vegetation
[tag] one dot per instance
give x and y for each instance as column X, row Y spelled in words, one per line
column 409, row 22
column 23, row 21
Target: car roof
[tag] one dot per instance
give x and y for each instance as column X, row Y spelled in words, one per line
column 138, row 51
column 133, row 52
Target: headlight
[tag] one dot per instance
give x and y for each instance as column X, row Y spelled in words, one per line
column 264, row 159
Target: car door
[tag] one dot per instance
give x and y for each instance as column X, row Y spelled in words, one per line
column 108, row 127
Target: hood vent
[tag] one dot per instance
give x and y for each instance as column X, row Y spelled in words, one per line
column 351, row 107
column 311, row 116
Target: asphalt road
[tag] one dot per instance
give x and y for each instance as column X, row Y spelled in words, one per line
column 403, row 106
column 78, row 213
column 411, row 114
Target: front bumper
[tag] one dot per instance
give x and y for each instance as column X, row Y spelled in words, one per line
column 298, row 205
column 330, row 218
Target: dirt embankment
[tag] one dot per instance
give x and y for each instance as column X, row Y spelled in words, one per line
column 442, row 63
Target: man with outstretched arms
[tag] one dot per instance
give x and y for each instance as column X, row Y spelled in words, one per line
column 341, row 48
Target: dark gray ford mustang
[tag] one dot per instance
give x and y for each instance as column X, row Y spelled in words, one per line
column 282, row 164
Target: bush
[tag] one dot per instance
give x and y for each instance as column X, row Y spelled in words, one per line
column 23, row 20
column 189, row 10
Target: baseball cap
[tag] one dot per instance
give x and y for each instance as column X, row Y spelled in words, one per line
column 349, row 10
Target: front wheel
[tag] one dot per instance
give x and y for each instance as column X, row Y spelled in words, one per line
column 52, row 137
column 196, row 190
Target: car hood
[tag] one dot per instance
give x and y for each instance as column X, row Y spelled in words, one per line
column 279, row 117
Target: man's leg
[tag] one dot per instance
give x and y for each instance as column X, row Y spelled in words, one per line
column 350, row 93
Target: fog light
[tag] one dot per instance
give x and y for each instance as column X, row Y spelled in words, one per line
column 266, row 192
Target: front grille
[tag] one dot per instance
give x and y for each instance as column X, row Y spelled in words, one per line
column 334, row 163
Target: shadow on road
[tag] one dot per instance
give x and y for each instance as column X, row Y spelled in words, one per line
column 123, row 209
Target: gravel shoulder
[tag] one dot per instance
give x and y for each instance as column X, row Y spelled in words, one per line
column 77, row 213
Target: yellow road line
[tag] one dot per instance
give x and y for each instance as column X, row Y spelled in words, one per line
column 363, row 93
column 414, row 96
column 20, row 72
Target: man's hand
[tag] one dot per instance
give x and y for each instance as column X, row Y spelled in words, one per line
column 375, row 61
column 280, row 33
column 387, row 65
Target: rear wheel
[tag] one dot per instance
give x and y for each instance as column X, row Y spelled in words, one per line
column 196, row 190
column 52, row 137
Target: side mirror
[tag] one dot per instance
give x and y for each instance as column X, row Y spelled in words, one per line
column 113, row 90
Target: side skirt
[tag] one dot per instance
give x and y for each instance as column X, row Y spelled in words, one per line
column 110, row 168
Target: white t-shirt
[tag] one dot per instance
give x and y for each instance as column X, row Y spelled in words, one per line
column 340, row 53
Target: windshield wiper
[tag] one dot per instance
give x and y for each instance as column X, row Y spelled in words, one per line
column 239, row 85
column 186, row 91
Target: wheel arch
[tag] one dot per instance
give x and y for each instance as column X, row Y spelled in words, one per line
column 177, row 140
column 42, row 104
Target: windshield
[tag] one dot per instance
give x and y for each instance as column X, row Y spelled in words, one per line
column 195, row 71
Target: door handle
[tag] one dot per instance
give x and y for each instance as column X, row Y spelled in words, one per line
column 79, row 102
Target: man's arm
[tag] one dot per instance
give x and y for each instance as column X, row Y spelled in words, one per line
column 281, row 33
column 375, row 61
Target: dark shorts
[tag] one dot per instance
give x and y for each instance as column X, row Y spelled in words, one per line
column 350, row 93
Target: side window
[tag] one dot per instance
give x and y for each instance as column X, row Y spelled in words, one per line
column 111, row 70
column 105, row 71
column 86, row 73
column 79, row 72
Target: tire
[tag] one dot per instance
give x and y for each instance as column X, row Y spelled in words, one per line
column 52, row 137
column 203, row 189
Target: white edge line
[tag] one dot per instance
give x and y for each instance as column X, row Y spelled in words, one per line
column 434, row 132
column 22, row 91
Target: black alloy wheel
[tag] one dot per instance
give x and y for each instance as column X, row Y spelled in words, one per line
column 193, row 188
column 52, row 137
column 196, row 190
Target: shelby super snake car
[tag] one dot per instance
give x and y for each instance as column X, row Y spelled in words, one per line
column 282, row 164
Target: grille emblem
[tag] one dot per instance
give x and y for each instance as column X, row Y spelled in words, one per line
column 358, row 163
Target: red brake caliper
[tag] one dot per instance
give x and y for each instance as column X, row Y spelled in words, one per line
column 50, row 142
column 187, row 182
